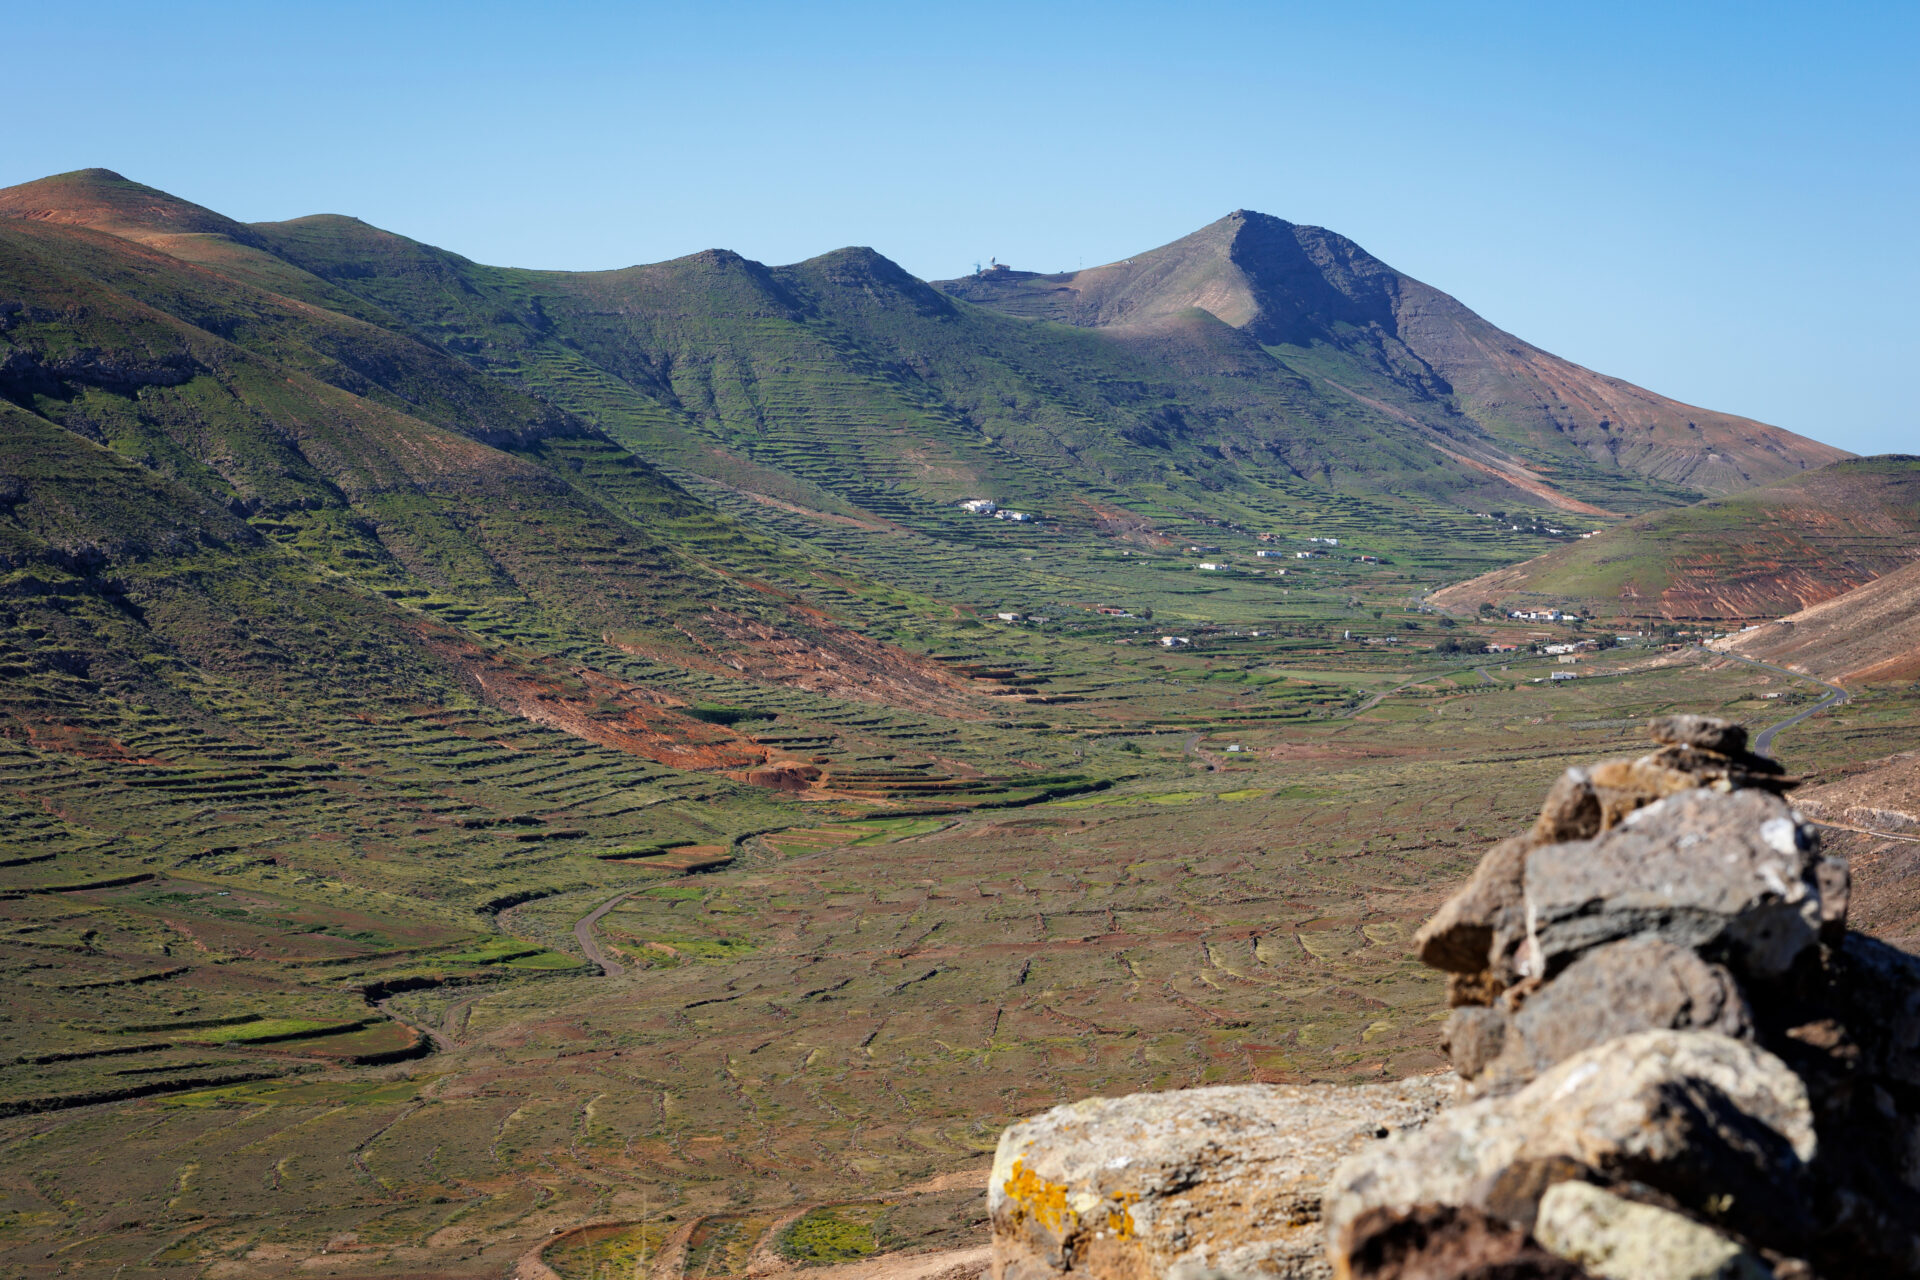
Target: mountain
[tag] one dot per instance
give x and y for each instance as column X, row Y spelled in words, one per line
column 1868, row 634
column 1354, row 326
column 1759, row 554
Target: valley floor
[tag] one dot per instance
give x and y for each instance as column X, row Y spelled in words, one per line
column 805, row 1056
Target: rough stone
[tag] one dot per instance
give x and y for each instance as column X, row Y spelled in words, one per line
column 1881, row 997
column 1624, row 786
column 1696, row 1115
column 1638, row 984
column 1732, row 873
column 1619, row 1239
column 1571, row 810
column 1459, row 935
column 1707, row 732
column 1474, row 1039
column 1201, row 1184
column 1446, row 1242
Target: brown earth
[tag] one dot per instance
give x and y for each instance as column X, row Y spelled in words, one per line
column 829, row 659
column 1869, row 634
column 1760, row 554
column 598, row 708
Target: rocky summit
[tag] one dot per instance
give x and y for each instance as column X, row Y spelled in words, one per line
column 1671, row 1059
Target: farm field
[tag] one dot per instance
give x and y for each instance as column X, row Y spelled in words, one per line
column 847, row 1011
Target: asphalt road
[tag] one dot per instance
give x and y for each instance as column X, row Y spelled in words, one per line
column 1763, row 744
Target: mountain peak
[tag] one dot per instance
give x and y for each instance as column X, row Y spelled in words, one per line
column 103, row 200
column 1381, row 337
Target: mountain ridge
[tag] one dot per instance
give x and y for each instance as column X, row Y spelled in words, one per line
column 1296, row 286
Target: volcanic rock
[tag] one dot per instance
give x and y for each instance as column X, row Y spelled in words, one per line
column 1639, row 984
column 1620, row 1239
column 1445, row 1242
column 1738, row 874
column 1709, row 733
column 1717, row 1123
column 1215, row 1183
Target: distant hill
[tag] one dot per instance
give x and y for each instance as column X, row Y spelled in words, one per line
column 1336, row 314
column 1871, row 633
column 1759, row 554
column 1255, row 368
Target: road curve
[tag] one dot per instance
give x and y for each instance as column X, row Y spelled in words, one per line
column 1193, row 748
column 1763, row 744
column 583, row 933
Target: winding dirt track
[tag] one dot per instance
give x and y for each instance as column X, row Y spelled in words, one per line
column 583, row 933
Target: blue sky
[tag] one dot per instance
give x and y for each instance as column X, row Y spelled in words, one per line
column 1714, row 200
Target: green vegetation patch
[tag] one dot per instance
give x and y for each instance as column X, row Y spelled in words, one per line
column 543, row 960
column 493, row 951
column 832, row 1233
column 599, row 1252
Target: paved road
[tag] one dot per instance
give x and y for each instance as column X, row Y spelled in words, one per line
column 1763, row 744
column 1484, row 676
column 583, row 933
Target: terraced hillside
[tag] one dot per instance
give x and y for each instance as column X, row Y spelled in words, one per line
column 1759, row 554
column 1866, row 635
column 487, row 752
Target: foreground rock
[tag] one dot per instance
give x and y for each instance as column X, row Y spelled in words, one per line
column 1719, row 1125
column 1673, row 1062
column 1204, row 1184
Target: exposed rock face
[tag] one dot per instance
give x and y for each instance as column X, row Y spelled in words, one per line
column 1674, row 1062
column 1639, row 984
column 1203, row 1184
column 1735, row 874
column 1659, row 994
column 1695, row 1115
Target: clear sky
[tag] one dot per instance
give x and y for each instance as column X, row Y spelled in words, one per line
column 1716, row 200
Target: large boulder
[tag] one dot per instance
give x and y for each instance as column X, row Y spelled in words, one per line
column 1738, row 875
column 1637, row 984
column 1719, row 1124
column 1202, row 1184
column 1476, row 932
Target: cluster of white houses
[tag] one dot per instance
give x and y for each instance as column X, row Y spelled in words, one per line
column 988, row 507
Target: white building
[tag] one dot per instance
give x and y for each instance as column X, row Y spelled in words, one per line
column 1210, row 566
column 1007, row 617
column 1174, row 642
column 980, row 506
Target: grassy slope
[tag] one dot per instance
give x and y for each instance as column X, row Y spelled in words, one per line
column 1758, row 554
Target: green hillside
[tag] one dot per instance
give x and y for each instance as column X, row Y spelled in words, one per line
column 583, row 682
column 1356, row 330
column 1760, row 554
